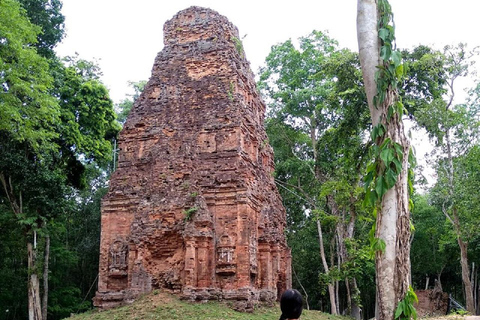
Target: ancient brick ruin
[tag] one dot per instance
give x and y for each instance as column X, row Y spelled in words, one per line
column 193, row 206
column 431, row 303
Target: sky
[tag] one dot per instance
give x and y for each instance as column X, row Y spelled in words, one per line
column 124, row 36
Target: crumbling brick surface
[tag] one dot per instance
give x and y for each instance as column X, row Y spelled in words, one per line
column 431, row 303
column 193, row 206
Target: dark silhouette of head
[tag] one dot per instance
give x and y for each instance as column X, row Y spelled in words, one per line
column 291, row 304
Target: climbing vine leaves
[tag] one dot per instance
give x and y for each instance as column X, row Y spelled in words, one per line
column 405, row 308
column 389, row 178
column 383, row 173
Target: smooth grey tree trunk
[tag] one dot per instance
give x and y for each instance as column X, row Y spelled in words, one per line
column 45, row 278
column 34, row 305
column 393, row 217
column 455, row 220
column 331, row 287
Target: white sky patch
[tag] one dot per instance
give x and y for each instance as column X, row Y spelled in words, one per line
column 125, row 36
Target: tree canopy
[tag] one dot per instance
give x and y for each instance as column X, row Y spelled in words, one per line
column 56, row 122
column 28, row 111
column 58, row 126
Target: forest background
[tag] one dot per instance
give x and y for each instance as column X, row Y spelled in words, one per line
column 58, row 128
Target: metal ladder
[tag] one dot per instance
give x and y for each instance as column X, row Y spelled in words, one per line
column 454, row 304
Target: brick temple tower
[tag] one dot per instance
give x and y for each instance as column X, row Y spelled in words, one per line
column 193, row 206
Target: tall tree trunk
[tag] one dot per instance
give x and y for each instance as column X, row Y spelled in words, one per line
column 331, row 287
column 355, row 311
column 393, row 227
column 393, row 217
column 337, row 296
column 463, row 245
column 392, row 265
column 467, row 283
column 34, row 306
column 45, row 278
column 331, row 284
column 342, row 257
column 369, row 51
column 475, row 286
column 349, row 296
column 478, row 298
column 345, row 230
column 303, row 289
column 16, row 203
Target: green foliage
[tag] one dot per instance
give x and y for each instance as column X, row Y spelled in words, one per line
column 75, row 234
column 454, row 129
column 460, row 312
column 405, row 309
column 40, row 182
column 13, row 287
column 383, row 173
column 434, row 251
column 424, row 80
column 47, row 15
column 75, row 252
column 56, row 124
column 123, row 108
column 88, row 119
column 231, row 91
column 392, row 71
column 376, row 244
column 361, row 266
column 430, row 227
column 305, row 262
column 27, row 110
column 466, row 183
column 309, row 110
column 80, row 237
column 189, row 213
column 441, row 117
column 239, row 46
column 317, row 115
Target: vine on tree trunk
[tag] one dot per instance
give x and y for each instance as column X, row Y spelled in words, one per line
column 405, row 309
column 388, row 153
column 382, row 174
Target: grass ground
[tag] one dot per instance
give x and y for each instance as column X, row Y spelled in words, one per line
column 160, row 305
column 164, row 306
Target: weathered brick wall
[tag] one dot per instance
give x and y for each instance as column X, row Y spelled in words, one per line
column 193, row 206
column 431, row 303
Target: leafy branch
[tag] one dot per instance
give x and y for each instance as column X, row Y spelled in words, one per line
column 405, row 309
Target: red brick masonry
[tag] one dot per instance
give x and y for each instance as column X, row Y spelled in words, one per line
column 193, row 206
column 431, row 303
